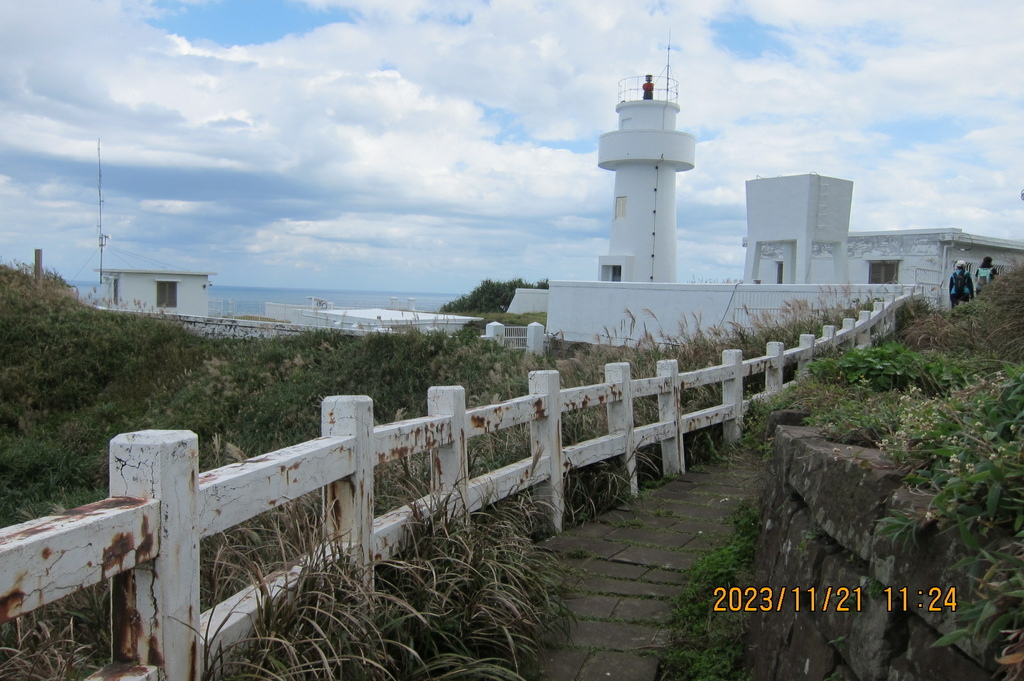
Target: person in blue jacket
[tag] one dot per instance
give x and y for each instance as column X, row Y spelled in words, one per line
column 961, row 286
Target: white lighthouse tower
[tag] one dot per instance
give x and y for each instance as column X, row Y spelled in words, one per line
column 645, row 152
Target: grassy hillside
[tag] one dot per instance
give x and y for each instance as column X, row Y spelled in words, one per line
column 73, row 377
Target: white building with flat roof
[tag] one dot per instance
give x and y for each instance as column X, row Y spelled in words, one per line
column 798, row 233
column 170, row 291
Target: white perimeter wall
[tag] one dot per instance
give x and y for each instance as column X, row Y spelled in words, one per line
column 622, row 313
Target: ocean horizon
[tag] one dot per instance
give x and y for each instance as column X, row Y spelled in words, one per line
column 250, row 299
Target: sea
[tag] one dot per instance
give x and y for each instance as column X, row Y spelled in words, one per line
column 238, row 300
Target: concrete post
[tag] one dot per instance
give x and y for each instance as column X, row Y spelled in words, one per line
column 864, row 335
column 673, row 457
column 732, row 395
column 620, row 417
column 348, row 503
column 535, row 338
column 848, row 324
column 449, row 464
column 495, row 331
column 155, row 607
column 805, row 357
column 773, row 374
column 546, row 440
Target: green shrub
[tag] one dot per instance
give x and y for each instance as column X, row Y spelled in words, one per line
column 489, row 296
column 890, row 366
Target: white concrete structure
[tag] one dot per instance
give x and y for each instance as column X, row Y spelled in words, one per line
column 925, row 257
column 171, row 291
column 529, row 300
column 628, row 313
column 359, row 321
column 645, row 152
column 795, row 217
column 798, row 232
column 531, row 338
column 799, row 252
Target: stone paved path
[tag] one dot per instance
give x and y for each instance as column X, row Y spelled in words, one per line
column 628, row 564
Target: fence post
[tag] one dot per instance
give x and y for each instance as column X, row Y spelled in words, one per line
column 848, row 324
column 732, row 394
column 864, row 335
column 806, row 343
column 348, row 503
column 546, row 438
column 620, row 416
column 773, row 375
column 535, row 338
column 495, row 331
column 828, row 332
column 449, row 464
column 673, row 458
column 155, row 607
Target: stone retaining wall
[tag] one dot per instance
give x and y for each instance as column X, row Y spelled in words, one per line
column 821, row 506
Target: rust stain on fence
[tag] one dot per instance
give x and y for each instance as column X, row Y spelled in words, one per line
column 155, row 657
column 538, row 408
column 58, row 520
column 121, row 545
column 144, row 552
column 10, row 605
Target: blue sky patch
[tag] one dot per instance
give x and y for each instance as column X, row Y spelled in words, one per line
column 748, row 39
column 244, row 22
column 907, row 133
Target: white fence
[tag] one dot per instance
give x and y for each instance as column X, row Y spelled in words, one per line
column 531, row 338
column 145, row 537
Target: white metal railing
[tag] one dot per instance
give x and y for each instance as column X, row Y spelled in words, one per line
column 145, row 536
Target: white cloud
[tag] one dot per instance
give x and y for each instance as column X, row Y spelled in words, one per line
column 427, row 145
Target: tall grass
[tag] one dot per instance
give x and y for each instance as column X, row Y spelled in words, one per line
column 471, row 598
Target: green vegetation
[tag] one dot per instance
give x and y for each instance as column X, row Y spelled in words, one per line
column 470, row 600
column 74, row 377
column 710, row 645
column 946, row 404
column 489, row 296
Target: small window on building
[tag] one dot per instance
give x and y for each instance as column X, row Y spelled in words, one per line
column 884, row 272
column 779, row 273
column 620, row 207
column 117, row 292
column 167, row 294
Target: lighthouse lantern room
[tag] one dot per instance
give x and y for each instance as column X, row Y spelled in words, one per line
column 645, row 152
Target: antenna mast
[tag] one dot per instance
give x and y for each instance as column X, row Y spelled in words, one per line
column 668, row 65
column 99, row 222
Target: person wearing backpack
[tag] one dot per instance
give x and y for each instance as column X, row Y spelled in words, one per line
column 985, row 274
column 961, row 287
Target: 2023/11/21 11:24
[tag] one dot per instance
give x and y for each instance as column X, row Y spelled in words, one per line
column 829, row 599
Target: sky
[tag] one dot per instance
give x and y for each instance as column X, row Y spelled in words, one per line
column 425, row 145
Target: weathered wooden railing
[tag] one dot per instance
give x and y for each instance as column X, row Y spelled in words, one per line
column 145, row 536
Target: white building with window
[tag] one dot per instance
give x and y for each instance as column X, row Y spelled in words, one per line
column 171, row 291
column 798, row 233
